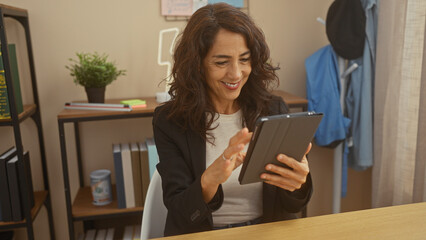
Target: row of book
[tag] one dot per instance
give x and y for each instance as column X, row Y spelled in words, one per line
column 15, row 185
column 134, row 165
column 130, row 232
column 4, row 101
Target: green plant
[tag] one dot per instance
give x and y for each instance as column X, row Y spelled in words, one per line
column 93, row 70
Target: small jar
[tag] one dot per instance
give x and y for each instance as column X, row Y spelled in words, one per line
column 100, row 182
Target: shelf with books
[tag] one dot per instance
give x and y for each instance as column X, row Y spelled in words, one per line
column 39, row 199
column 13, row 112
column 29, row 110
column 83, row 209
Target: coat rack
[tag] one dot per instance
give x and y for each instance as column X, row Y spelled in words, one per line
column 338, row 151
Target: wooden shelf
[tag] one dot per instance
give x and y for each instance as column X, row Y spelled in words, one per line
column 83, row 209
column 151, row 104
column 69, row 114
column 39, row 198
column 29, row 109
column 13, row 11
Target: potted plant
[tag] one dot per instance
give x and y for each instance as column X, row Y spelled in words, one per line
column 94, row 72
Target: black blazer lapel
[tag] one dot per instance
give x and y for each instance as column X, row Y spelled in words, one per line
column 197, row 149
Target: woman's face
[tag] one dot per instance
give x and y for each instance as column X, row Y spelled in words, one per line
column 227, row 67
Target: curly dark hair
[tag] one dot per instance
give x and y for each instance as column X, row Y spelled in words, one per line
column 190, row 103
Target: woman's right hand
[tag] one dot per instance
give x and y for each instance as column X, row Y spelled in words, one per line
column 220, row 170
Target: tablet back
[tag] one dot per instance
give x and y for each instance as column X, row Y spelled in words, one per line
column 289, row 134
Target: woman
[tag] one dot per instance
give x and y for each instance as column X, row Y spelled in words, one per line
column 222, row 77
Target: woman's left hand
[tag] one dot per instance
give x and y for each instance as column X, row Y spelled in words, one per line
column 285, row 178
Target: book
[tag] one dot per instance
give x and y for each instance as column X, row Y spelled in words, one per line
column 29, row 179
column 127, row 175
column 98, row 106
column 25, row 180
column 110, row 234
column 119, row 178
column 20, row 185
column 14, row 190
column 5, row 205
column 152, row 156
column 101, row 234
column 135, row 107
column 136, row 171
column 128, row 232
column 143, row 154
column 90, row 234
column 15, row 77
column 137, row 232
column 4, row 101
column 135, row 103
column 132, row 102
column 80, row 236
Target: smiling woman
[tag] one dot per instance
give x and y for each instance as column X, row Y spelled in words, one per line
column 189, row 88
column 222, row 79
column 227, row 67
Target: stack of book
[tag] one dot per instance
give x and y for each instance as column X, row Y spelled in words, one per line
column 15, row 185
column 134, row 165
column 123, row 106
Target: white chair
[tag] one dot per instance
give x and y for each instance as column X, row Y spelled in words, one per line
column 154, row 211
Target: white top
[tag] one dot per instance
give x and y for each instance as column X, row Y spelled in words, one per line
column 241, row 202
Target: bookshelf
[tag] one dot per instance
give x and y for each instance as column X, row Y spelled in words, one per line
column 81, row 207
column 30, row 111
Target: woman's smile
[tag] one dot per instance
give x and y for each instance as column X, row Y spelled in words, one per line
column 231, row 86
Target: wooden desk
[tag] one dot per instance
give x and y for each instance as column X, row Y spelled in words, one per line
column 292, row 101
column 397, row 222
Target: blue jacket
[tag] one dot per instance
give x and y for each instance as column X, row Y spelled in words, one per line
column 323, row 89
column 323, row 93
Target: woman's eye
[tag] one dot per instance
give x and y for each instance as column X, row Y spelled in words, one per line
column 221, row 63
column 244, row 60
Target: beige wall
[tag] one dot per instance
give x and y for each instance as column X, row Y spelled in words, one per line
column 128, row 32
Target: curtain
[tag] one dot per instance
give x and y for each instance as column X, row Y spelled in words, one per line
column 400, row 104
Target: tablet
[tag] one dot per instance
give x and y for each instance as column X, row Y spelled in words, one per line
column 289, row 134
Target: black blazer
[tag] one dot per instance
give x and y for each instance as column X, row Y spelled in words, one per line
column 182, row 162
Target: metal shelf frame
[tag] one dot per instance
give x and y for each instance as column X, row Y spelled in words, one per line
column 75, row 121
column 21, row 15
